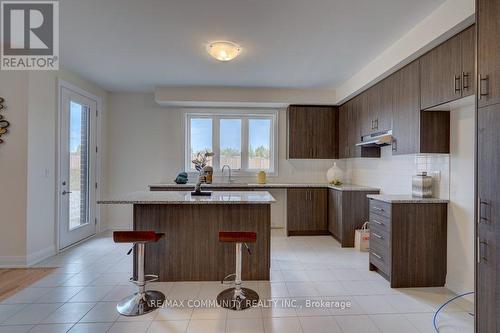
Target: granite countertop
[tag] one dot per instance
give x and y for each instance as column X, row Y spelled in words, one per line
column 182, row 197
column 343, row 187
column 404, row 198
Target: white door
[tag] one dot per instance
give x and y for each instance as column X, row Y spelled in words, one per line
column 77, row 167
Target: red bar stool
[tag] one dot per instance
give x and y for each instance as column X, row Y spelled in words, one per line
column 143, row 301
column 237, row 298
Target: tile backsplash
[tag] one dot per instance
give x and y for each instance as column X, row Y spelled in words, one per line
column 393, row 174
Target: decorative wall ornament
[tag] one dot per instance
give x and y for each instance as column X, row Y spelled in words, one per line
column 3, row 123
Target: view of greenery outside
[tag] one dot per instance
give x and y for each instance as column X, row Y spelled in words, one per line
column 230, row 152
column 259, row 158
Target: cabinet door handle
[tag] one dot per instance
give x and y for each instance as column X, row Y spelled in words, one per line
column 394, row 145
column 377, row 235
column 376, row 124
column 487, row 206
column 465, row 83
column 483, row 82
column 457, row 84
column 483, row 255
column 376, row 255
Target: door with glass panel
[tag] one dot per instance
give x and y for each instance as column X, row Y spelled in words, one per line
column 77, row 167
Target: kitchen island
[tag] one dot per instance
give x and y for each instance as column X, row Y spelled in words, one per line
column 190, row 250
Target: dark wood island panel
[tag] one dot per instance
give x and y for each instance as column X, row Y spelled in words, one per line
column 190, row 250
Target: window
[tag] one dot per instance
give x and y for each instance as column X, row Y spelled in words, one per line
column 245, row 142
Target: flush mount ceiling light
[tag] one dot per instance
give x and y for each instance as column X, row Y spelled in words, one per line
column 223, row 50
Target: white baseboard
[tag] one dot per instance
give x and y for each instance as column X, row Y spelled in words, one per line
column 36, row 257
column 460, row 288
column 12, row 261
column 26, row 261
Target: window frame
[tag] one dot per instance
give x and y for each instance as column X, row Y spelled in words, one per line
column 244, row 115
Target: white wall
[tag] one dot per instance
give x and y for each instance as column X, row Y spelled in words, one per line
column 145, row 146
column 205, row 96
column 28, row 164
column 13, row 169
column 461, row 208
column 393, row 174
column 42, row 140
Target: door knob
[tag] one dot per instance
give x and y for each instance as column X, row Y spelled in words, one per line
column 66, row 192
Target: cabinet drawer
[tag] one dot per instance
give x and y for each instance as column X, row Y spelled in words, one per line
column 380, row 208
column 380, row 237
column 380, row 222
column 380, row 257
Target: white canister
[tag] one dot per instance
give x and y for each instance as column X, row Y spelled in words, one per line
column 422, row 185
column 334, row 175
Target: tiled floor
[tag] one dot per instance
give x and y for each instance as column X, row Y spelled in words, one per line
column 80, row 296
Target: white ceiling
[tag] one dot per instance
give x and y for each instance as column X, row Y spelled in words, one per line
column 134, row 45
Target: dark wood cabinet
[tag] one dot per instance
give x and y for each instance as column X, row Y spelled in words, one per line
column 343, row 131
column 406, row 117
column 364, row 107
column 312, row 132
column 488, row 25
column 447, row 71
column 384, row 117
column 307, row 210
column 358, row 116
column 488, row 211
column 400, row 231
column 347, row 211
column 468, row 44
column 379, row 100
column 335, row 213
column 354, row 109
column 440, row 71
column 442, row 75
column 416, row 131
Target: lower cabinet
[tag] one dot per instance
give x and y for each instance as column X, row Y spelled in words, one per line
column 408, row 242
column 307, row 210
column 347, row 211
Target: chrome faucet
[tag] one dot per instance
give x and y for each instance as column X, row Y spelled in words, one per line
column 230, row 179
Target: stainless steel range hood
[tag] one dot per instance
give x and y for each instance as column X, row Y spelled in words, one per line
column 378, row 139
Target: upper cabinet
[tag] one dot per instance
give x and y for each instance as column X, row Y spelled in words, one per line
column 447, row 71
column 488, row 52
column 379, row 100
column 355, row 119
column 406, row 128
column 313, row 132
column 394, row 104
column 343, row 132
column 468, row 41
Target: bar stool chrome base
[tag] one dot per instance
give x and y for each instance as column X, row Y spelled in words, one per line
column 231, row 299
column 137, row 304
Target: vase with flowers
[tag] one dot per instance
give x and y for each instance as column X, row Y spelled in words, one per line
column 200, row 162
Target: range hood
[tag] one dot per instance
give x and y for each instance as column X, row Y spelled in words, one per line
column 378, row 139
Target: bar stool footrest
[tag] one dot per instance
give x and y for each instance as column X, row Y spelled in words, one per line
column 147, row 278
